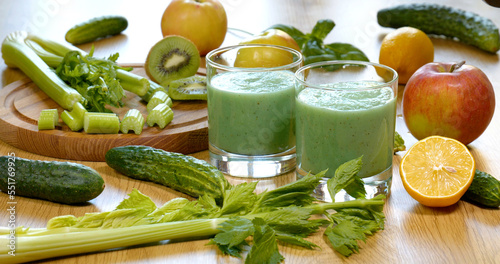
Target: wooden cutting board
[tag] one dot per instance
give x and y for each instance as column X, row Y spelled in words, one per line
column 22, row 101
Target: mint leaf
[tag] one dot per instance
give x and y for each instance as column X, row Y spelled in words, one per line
column 232, row 238
column 322, row 28
column 296, row 34
column 345, row 51
column 265, row 247
column 346, row 178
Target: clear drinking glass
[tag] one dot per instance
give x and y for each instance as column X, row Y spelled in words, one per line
column 251, row 116
column 344, row 110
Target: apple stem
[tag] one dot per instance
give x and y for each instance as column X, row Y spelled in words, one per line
column 456, row 66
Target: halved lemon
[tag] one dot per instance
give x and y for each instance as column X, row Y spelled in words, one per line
column 436, row 171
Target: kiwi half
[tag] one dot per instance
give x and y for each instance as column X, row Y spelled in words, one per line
column 172, row 58
column 190, row 88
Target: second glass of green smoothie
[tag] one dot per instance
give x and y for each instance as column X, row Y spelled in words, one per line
column 346, row 110
column 251, row 109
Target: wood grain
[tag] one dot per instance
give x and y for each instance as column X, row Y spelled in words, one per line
column 22, row 101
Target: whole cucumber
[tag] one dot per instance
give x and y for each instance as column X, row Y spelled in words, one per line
column 465, row 26
column 177, row 171
column 61, row 182
column 96, row 28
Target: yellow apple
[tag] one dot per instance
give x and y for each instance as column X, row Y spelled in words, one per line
column 267, row 57
column 204, row 22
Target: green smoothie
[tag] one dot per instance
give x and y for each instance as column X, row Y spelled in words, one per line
column 252, row 113
column 337, row 126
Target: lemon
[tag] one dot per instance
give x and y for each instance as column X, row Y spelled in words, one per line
column 405, row 50
column 437, row 171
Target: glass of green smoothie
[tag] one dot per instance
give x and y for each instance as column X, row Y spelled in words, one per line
column 345, row 110
column 251, row 116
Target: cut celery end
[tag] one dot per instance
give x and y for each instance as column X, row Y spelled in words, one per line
column 74, row 119
column 153, row 87
column 101, row 123
column 159, row 97
column 133, row 120
column 48, row 119
column 161, row 115
column 133, row 82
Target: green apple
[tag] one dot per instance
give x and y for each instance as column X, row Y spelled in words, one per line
column 204, row 22
column 448, row 99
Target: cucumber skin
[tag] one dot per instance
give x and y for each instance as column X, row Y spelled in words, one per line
column 484, row 190
column 467, row 27
column 96, row 28
column 180, row 172
column 60, row 182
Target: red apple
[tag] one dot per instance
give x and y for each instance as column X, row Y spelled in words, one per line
column 266, row 57
column 204, row 22
column 448, row 99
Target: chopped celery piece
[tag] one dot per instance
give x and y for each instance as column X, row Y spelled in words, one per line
column 153, row 87
column 16, row 53
column 161, row 115
column 48, row 119
column 101, row 123
column 133, row 120
column 74, row 119
column 159, row 97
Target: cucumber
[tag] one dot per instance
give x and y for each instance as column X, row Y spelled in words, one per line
column 484, row 190
column 465, row 26
column 60, row 182
column 96, row 28
column 180, row 172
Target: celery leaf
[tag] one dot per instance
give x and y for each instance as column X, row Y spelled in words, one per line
column 232, row 237
column 346, row 178
column 265, row 247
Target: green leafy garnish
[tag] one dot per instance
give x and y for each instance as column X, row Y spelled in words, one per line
column 399, row 143
column 94, row 78
column 282, row 215
column 346, row 178
column 312, row 46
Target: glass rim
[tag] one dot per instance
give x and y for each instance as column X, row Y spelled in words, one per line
column 294, row 64
column 351, row 62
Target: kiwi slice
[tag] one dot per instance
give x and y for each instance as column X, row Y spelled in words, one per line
column 173, row 57
column 190, row 88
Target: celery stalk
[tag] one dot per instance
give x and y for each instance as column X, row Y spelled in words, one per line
column 101, row 123
column 74, row 119
column 16, row 53
column 159, row 97
column 129, row 81
column 133, row 120
column 57, row 242
column 48, row 119
column 161, row 115
column 153, row 87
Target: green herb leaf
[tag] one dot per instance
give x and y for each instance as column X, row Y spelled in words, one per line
column 295, row 193
column 239, row 198
column 232, row 237
column 314, row 50
column 94, row 78
column 295, row 240
column 322, row 28
column 265, row 247
column 346, row 178
column 399, row 143
column 344, row 236
column 296, row 34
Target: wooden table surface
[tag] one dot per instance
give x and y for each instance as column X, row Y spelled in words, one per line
column 462, row 233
